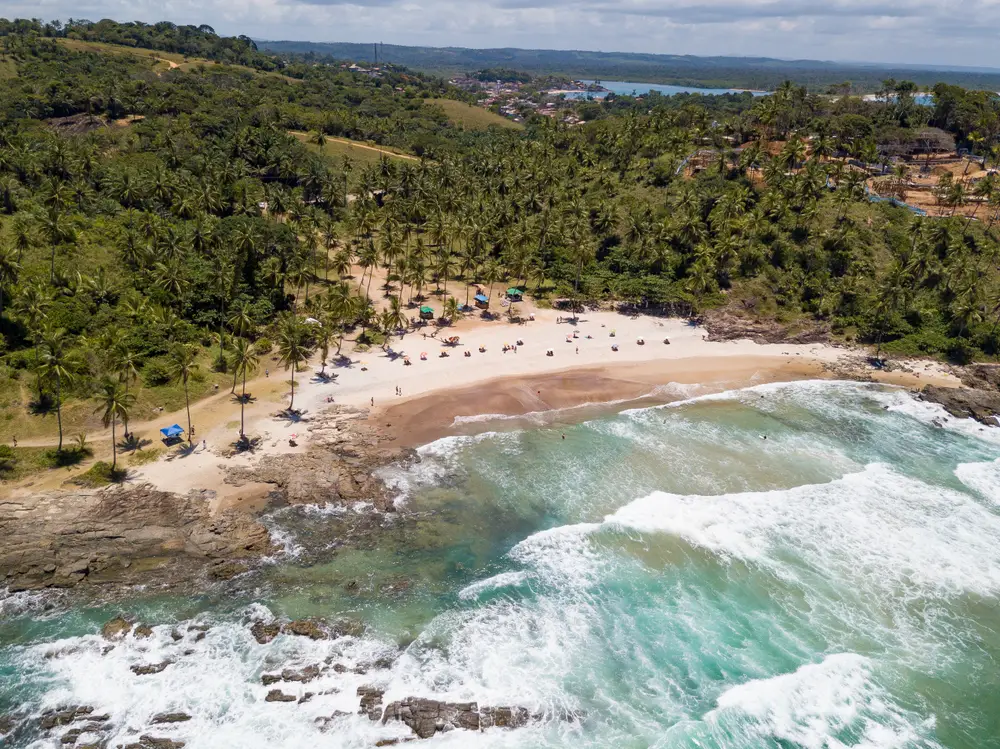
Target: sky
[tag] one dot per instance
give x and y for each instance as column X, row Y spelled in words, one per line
column 932, row 32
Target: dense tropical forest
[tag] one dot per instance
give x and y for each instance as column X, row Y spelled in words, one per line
column 164, row 230
column 759, row 73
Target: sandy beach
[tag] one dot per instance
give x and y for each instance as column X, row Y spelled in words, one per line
column 434, row 391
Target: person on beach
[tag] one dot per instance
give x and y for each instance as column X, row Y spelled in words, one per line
column 373, row 401
column 15, row 440
column 267, row 373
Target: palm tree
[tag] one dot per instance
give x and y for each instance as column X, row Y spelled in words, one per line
column 294, row 347
column 126, row 363
column 492, row 272
column 34, row 303
column 56, row 366
column 10, row 269
column 183, row 362
column 323, row 335
column 115, row 403
column 450, row 312
column 245, row 359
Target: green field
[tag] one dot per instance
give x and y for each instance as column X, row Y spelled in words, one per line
column 7, row 69
column 470, row 117
column 360, row 154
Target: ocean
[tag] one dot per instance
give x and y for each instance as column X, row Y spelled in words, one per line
column 810, row 565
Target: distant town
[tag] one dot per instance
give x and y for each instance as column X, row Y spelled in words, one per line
column 517, row 95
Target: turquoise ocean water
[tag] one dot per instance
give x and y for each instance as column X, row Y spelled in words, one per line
column 663, row 577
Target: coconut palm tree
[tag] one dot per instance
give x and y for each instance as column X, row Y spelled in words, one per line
column 294, row 347
column 56, row 363
column 115, row 404
column 245, row 360
column 10, row 270
column 183, row 363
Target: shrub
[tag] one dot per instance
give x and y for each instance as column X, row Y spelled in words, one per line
column 8, row 459
column 263, row 346
column 156, row 372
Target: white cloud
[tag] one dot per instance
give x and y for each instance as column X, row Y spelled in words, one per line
column 911, row 31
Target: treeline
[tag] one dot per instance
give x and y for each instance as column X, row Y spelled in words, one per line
column 179, row 229
column 193, row 41
column 684, row 70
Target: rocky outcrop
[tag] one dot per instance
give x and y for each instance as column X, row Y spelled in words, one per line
column 306, row 628
column 151, row 742
column 276, row 695
column 727, row 325
column 171, row 718
column 116, row 629
column 427, row 717
column 981, row 405
column 264, row 633
column 118, row 535
column 302, row 676
column 371, row 702
column 151, row 668
column 338, row 468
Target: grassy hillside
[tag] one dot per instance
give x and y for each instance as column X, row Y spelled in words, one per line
column 469, row 117
column 361, row 154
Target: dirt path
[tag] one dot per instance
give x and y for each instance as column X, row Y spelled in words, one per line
column 356, row 144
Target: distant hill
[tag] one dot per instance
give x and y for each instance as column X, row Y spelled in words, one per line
column 722, row 72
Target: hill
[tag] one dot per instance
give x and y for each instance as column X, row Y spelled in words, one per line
column 722, row 72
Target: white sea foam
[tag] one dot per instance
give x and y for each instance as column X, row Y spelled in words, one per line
column 982, row 478
column 813, row 705
column 497, row 582
column 877, row 526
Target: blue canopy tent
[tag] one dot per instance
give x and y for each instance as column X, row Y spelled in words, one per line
column 481, row 300
column 172, row 431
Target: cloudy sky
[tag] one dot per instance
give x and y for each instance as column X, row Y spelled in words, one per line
column 908, row 31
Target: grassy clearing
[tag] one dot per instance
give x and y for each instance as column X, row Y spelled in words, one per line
column 7, row 69
column 161, row 60
column 78, row 414
column 17, row 463
column 360, row 154
column 470, row 117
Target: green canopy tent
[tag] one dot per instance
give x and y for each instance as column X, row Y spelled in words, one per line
column 515, row 294
column 426, row 313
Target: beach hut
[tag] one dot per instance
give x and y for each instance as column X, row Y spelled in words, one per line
column 426, row 313
column 514, row 294
column 481, row 301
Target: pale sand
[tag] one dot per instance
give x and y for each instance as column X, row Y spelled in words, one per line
column 580, row 371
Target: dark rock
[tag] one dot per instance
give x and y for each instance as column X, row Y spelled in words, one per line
column 345, row 627
column 306, row 697
column 306, row 628
column 264, row 633
column 152, row 742
column 171, row 718
column 116, row 628
column 228, row 570
column 371, row 702
column 143, row 631
column 427, row 717
column 53, row 718
column 393, row 742
column 303, row 675
column 152, row 668
column 200, row 636
column 966, row 403
column 177, row 636
column 339, row 668
column 6, row 724
column 276, row 695
column 72, row 735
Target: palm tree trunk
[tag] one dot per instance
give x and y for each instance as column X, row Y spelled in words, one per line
column 243, row 400
column 291, row 401
column 187, row 405
column 59, row 410
column 114, row 447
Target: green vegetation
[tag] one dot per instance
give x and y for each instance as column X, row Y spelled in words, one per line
column 161, row 231
column 471, row 117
